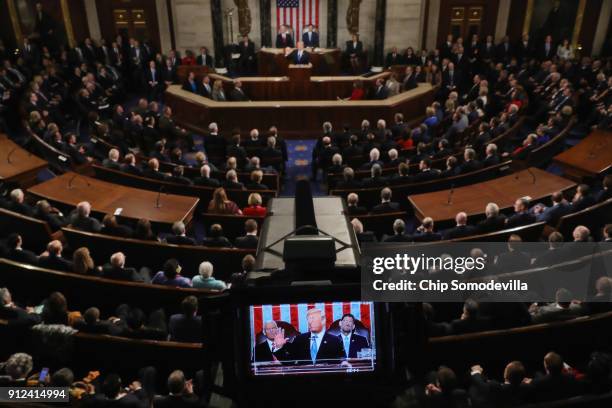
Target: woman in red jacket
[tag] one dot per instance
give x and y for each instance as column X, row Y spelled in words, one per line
column 255, row 209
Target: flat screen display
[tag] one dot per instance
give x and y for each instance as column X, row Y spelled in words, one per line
column 312, row 338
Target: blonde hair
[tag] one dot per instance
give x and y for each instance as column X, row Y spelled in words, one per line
column 254, row 199
column 83, row 263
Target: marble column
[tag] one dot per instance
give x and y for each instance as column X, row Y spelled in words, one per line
column 379, row 32
column 332, row 23
column 217, row 25
column 265, row 22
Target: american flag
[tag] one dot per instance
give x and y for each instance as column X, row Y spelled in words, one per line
column 295, row 314
column 297, row 14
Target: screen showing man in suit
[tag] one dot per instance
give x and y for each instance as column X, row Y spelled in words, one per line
column 304, row 338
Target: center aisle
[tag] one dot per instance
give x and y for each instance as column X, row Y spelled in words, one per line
column 299, row 165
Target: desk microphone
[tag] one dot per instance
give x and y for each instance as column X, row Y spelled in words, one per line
column 449, row 201
column 70, row 182
column 532, row 174
column 157, row 200
column 8, row 156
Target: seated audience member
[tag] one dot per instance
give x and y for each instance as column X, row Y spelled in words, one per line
column 256, row 178
column 179, row 237
column 376, row 178
column 83, row 263
column 112, row 227
column 606, row 192
column 352, row 207
column 116, row 269
column 170, row 275
column 491, row 156
column 55, row 309
column 16, row 253
column 452, row 167
column 255, row 209
column 204, row 179
column 144, row 231
column 16, row 316
column 336, row 164
column 555, row 384
column 374, row 159
column 425, row 232
column 92, row 324
column 52, row 216
column 112, row 161
column 470, row 320
column 470, row 163
column 553, row 254
column 494, row 221
column 52, row 258
column 220, row 204
column 136, row 326
column 231, row 181
column 521, row 215
column 348, row 181
column 552, row 214
column 433, row 328
column 582, row 199
column 512, row 392
column 462, row 229
column 444, row 391
column 205, row 280
column 562, row 309
column 216, row 238
column 178, row 176
column 399, row 233
column 362, row 236
column 250, row 239
column 186, row 326
column 386, row 204
column 239, row 278
column 426, row 173
column 515, row 259
column 180, row 393
column 18, row 205
column 81, row 219
column 129, row 165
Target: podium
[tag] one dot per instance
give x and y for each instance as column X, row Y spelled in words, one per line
column 299, row 73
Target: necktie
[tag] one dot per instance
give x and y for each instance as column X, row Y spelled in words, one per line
column 347, row 344
column 313, row 348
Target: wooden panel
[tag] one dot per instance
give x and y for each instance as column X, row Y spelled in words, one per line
column 591, row 157
column 488, row 22
column 589, row 25
column 79, row 20
column 515, row 19
column 18, row 165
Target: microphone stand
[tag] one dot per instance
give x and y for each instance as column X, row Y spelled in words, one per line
column 158, row 199
column 70, row 182
column 8, row 156
column 450, row 195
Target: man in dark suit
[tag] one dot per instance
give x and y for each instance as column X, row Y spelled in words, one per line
column 353, row 208
column 16, row 316
column 153, row 81
column 314, row 346
column 181, row 393
column 299, row 56
column 552, row 214
column 190, row 84
column 515, row 259
column 354, row 52
column 205, row 87
column 521, row 215
column 91, row 323
column 237, row 93
column 512, row 392
column 426, row 173
column 248, row 58
column 582, row 199
column 494, row 221
column 116, row 269
column 470, row 320
column 81, row 219
column 462, row 229
column 283, row 38
column 524, row 49
column 205, row 179
column 256, row 184
column 399, row 229
column 555, row 384
column 250, row 240
column 204, row 58
column 45, row 27
column 112, row 161
column 352, row 343
column 179, row 237
column 310, row 38
column 393, row 58
column 52, row 259
column 491, row 156
column 264, row 350
column 380, row 90
column 425, row 232
column 547, row 50
column 470, row 163
column 17, row 203
column 187, row 326
column 16, row 253
column 386, row 204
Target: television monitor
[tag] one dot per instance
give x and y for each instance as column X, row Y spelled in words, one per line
column 312, row 338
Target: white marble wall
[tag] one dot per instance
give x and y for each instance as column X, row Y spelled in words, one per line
column 192, row 24
column 367, row 18
column 403, row 28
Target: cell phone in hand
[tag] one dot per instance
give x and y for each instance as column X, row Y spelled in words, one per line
column 43, row 374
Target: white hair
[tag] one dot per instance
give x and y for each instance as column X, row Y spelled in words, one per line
column 206, row 269
column 374, row 154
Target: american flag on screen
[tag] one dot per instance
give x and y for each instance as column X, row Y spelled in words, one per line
column 295, row 314
column 297, row 14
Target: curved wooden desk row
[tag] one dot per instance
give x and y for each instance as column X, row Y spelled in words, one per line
column 17, row 164
column 294, row 119
column 589, row 158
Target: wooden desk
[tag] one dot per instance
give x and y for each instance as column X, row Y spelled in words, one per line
column 17, row 164
column 294, row 119
column 272, row 61
column 589, row 158
column 106, row 197
column 473, row 199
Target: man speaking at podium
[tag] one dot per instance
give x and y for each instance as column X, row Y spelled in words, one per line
column 299, row 56
column 313, row 347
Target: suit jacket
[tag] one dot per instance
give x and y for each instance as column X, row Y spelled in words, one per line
column 552, row 214
column 460, row 231
column 357, row 343
column 238, row 95
column 426, row 237
column 55, row 263
column 180, row 240
column 426, row 176
column 149, row 77
column 263, row 352
column 127, row 274
column 23, row 256
column 209, row 60
column 296, row 59
column 187, row 329
column 491, row 224
column 247, row 241
column 386, row 207
column 176, row 401
column 207, row 182
column 381, row 93
column 549, row 387
column 353, row 210
column 298, row 351
column 312, row 40
column 519, row 219
column 286, row 42
column 88, row 224
column 352, row 49
column 582, row 203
